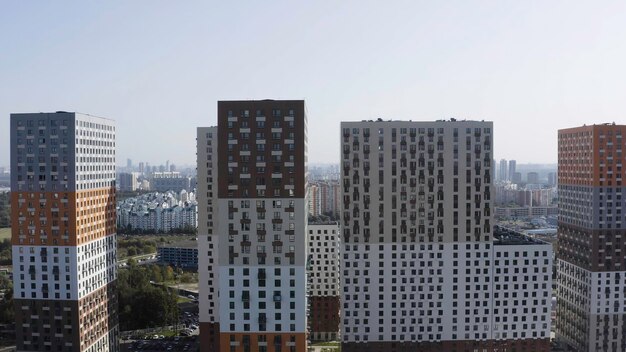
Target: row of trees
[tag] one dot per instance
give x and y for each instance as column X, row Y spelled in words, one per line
column 7, row 315
column 135, row 246
column 141, row 304
column 5, row 209
column 5, row 252
column 129, row 230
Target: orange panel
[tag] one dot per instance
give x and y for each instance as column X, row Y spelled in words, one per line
column 300, row 341
column 62, row 218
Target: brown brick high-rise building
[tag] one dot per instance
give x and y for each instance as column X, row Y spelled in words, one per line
column 253, row 228
column 591, row 304
column 63, row 232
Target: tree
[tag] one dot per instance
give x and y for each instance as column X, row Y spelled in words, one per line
column 7, row 309
column 143, row 305
column 168, row 273
column 186, row 278
column 5, row 252
column 156, row 276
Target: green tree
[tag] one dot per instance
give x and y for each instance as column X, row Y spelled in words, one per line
column 157, row 276
column 7, row 310
column 143, row 305
column 131, row 251
column 5, row 252
column 168, row 273
column 187, row 278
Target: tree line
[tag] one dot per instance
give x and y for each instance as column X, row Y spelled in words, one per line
column 5, row 209
column 130, row 230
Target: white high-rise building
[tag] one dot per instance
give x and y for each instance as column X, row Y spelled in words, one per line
column 422, row 267
column 502, row 172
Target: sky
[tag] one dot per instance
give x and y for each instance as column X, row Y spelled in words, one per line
column 159, row 67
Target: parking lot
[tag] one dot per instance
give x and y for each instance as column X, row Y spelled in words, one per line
column 166, row 344
column 187, row 339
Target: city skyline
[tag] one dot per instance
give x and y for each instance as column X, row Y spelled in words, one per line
column 511, row 64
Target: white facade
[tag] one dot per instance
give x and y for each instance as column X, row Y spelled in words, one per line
column 324, row 246
column 158, row 212
column 419, row 252
column 208, row 241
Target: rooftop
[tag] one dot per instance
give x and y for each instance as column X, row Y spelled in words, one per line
column 181, row 244
column 505, row 236
column 323, row 222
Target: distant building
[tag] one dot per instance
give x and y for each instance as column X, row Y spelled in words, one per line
column 530, row 195
column 324, row 282
column 314, row 204
column 511, row 173
column 182, row 254
column 532, row 178
column 329, row 197
column 516, row 178
column 141, row 167
column 128, row 181
column 158, row 212
column 169, row 181
column 525, row 212
column 552, row 178
column 502, row 172
column 129, row 164
column 324, row 197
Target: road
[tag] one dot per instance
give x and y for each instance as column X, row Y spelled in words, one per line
column 143, row 259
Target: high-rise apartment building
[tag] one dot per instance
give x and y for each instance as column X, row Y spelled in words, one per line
column 532, row 178
column 324, row 281
column 591, row 238
column 253, row 227
column 170, row 181
column 63, row 232
column 511, row 173
column 552, row 178
column 502, row 171
column 324, row 197
column 314, row 201
column 331, row 197
column 128, row 181
column 422, row 267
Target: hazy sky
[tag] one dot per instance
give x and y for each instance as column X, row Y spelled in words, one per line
column 158, row 67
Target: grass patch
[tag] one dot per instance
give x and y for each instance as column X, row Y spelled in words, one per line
column 5, row 233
